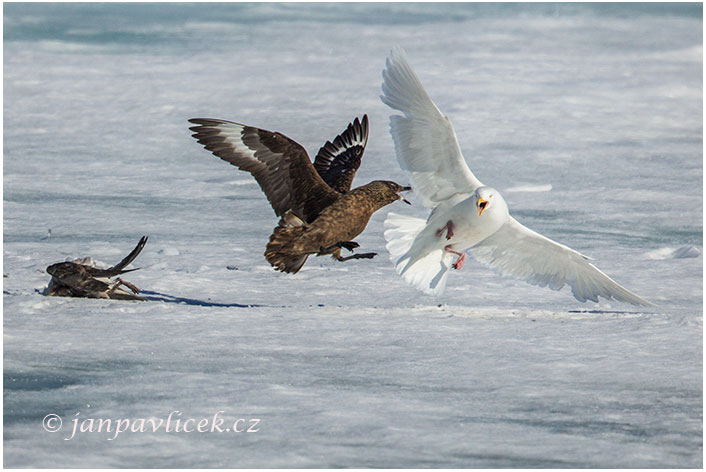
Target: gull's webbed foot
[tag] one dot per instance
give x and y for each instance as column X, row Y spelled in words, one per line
column 461, row 257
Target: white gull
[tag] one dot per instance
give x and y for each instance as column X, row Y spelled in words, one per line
column 465, row 213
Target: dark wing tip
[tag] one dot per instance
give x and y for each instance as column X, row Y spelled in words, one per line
column 364, row 124
column 130, row 257
column 337, row 161
column 358, row 130
column 211, row 125
column 208, row 121
column 202, row 122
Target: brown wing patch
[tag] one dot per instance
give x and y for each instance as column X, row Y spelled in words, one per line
column 69, row 273
column 76, row 276
column 95, row 285
column 280, row 165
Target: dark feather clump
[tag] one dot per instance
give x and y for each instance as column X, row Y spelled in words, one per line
column 80, row 278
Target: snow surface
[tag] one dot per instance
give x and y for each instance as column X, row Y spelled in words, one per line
column 591, row 113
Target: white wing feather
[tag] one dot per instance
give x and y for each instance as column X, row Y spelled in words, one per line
column 515, row 250
column 427, row 271
column 425, row 140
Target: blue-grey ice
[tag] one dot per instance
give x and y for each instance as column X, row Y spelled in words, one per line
column 593, row 110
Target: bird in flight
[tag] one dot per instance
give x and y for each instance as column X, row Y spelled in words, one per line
column 319, row 213
column 80, row 278
column 465, row 213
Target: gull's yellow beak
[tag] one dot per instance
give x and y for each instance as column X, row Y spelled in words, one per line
column 482, row 205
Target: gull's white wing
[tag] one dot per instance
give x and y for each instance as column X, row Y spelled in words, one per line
column 425, row 141
column 517, row 251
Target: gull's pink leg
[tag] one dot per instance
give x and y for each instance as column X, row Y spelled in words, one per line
column 461, row 257
column 449, row 227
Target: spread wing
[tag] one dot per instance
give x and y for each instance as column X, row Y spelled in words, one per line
column 338, row 162
column 425, row 140
column 280, row 165
column 515, row 250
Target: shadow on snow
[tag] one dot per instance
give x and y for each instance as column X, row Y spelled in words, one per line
column 164, row 297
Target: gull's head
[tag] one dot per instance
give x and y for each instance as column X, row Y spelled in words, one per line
column 489, row 201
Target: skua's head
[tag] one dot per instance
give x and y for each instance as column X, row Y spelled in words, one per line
column 387, row 191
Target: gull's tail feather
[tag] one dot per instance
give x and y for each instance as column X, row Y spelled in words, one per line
column 425, row 272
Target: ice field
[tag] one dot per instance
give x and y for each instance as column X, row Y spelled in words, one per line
column 587, row 117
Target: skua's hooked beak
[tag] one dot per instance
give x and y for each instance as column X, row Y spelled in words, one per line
column 405, row 189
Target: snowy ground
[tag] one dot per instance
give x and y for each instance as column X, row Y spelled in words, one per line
column 588, row 118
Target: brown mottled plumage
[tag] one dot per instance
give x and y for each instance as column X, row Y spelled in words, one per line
column 80, row 278
column 294, row 240
column 318, row 213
